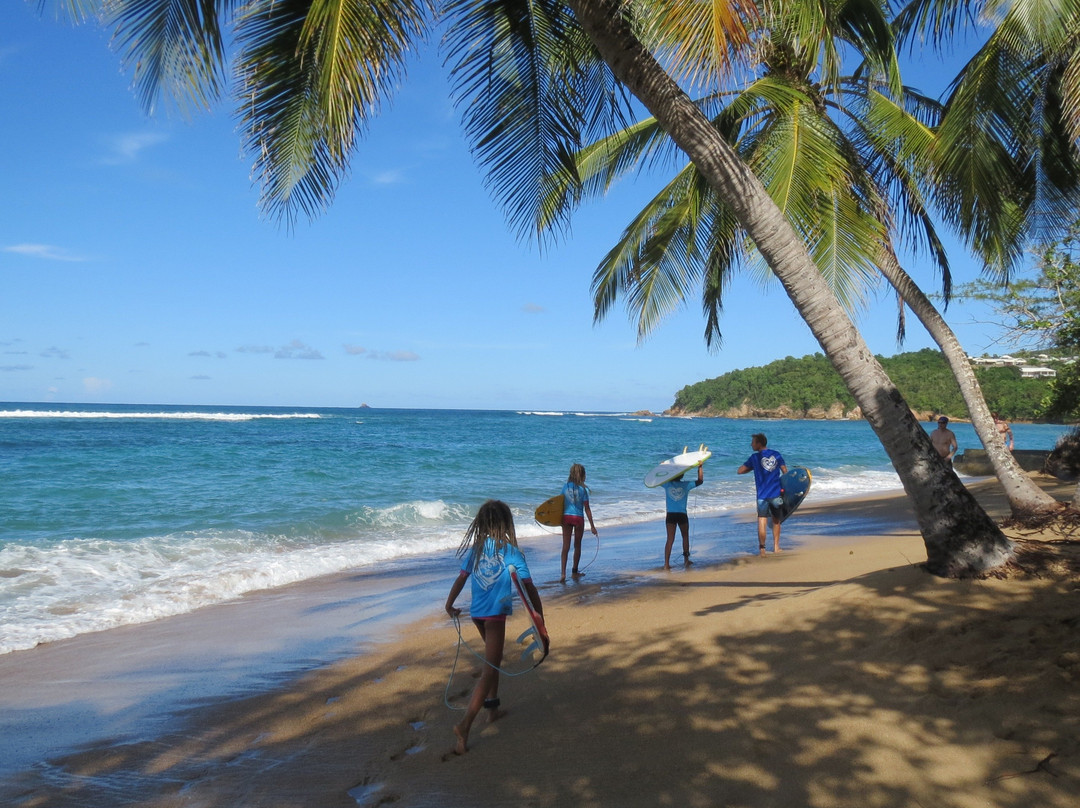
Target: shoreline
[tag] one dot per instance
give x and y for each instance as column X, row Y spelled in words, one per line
column 751, row 682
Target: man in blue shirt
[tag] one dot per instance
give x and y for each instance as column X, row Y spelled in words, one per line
column 767, row 465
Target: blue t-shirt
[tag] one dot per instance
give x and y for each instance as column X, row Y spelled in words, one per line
column 492, row 589
column 766, row 465
column 574, row 498
column 676, row 492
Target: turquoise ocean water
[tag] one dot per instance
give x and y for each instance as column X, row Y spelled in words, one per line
column 113, row 515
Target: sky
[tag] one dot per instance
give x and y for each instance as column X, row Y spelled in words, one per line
column 137, row 268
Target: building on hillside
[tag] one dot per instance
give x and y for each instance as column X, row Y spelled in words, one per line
column 1032, row 372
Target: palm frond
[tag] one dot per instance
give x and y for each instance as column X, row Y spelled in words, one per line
column 172, row 46
column 698, row 40
column 532, row 88
column 312, row 72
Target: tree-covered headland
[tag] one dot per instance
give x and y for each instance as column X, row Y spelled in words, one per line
column 808, row 387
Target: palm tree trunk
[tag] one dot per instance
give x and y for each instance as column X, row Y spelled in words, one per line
column 960, row 538
column 1025, row 497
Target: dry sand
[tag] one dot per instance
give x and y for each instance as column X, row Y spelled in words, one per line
column 839, row 674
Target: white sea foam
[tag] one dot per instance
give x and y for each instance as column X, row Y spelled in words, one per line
column 179, row 416
column 76, row 587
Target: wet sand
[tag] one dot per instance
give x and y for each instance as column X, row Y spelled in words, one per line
column 837, row 673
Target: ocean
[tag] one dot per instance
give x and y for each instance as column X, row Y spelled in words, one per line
column 114, row 515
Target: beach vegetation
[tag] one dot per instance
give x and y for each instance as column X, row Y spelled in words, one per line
column 1042, row 310
column 535, row 81
column 809, row 384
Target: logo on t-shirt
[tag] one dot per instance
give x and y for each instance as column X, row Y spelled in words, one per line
column 768, row 462
column 488, row 571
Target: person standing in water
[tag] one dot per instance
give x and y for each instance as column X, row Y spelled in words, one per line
column 944, row 440
column 677, row 492
column 767, row 465
column 575, row 509
column 1004, row 430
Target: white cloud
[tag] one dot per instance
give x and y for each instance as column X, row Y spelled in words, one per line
column 297, row 350
column 533, row 308
column 394, row 356
column 255, row 349
column 392, row 176
column 12, row 368
column 354, row 350
column 128, row 147
column 52, row 352
column 93, row 385
column 46, row 251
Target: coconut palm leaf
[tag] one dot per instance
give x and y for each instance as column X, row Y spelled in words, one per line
column 312, row 73
column 172, row 45
column 532, row 88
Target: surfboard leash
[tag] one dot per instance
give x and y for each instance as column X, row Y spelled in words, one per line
column 457, row 655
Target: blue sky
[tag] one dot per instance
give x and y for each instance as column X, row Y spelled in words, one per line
column 137, row 268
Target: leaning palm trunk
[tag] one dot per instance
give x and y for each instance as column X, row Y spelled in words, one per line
column 960, row 538
column 1024, row 496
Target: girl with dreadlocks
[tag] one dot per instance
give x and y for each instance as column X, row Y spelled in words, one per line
column 489, row 547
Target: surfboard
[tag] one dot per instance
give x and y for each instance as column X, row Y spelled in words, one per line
column 794, row 486
column 536, row 630
column 672, row 468
column 550, row 511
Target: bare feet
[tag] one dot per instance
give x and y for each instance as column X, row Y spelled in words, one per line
column 667, row 567
column 562, row 580
column 495, row 714
column 462, row 745
column 776, row 548
column 761, row 550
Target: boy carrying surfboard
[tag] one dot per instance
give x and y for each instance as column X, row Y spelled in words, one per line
column 767, row 465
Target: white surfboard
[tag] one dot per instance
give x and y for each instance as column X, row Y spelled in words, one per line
column 670, row 469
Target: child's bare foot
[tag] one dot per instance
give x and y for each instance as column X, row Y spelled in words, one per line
column 462, row 745
column 776, row 547
column 761, row 551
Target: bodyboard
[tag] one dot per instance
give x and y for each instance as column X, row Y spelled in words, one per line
column 550, row 512
column 794, row 486
column 536, row 630
column 672, row 468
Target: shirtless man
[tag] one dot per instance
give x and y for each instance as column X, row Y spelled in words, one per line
column 944, row 440
column 1004, row 430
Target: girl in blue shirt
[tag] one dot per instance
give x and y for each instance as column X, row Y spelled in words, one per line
column 575, row 509
column 489, row 547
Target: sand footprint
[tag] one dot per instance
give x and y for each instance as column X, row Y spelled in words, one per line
column 368, row 793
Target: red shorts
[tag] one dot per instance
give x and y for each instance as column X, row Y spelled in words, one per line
column 570, row 519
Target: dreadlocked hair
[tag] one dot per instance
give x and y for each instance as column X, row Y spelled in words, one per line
column 577, row 474
column 495, row 521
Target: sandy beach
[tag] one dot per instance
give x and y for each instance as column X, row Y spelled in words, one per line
column 834, row 674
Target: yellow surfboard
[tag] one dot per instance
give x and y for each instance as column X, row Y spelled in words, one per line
column 550, row 511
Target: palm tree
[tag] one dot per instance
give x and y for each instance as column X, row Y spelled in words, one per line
column 839, row 188
column 314, row 71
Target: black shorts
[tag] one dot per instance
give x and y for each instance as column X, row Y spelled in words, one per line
column 677, row 519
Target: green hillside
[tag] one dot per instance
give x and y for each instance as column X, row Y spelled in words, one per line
column 810, row 387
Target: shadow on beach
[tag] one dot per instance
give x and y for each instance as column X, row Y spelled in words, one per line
column 834, row 676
